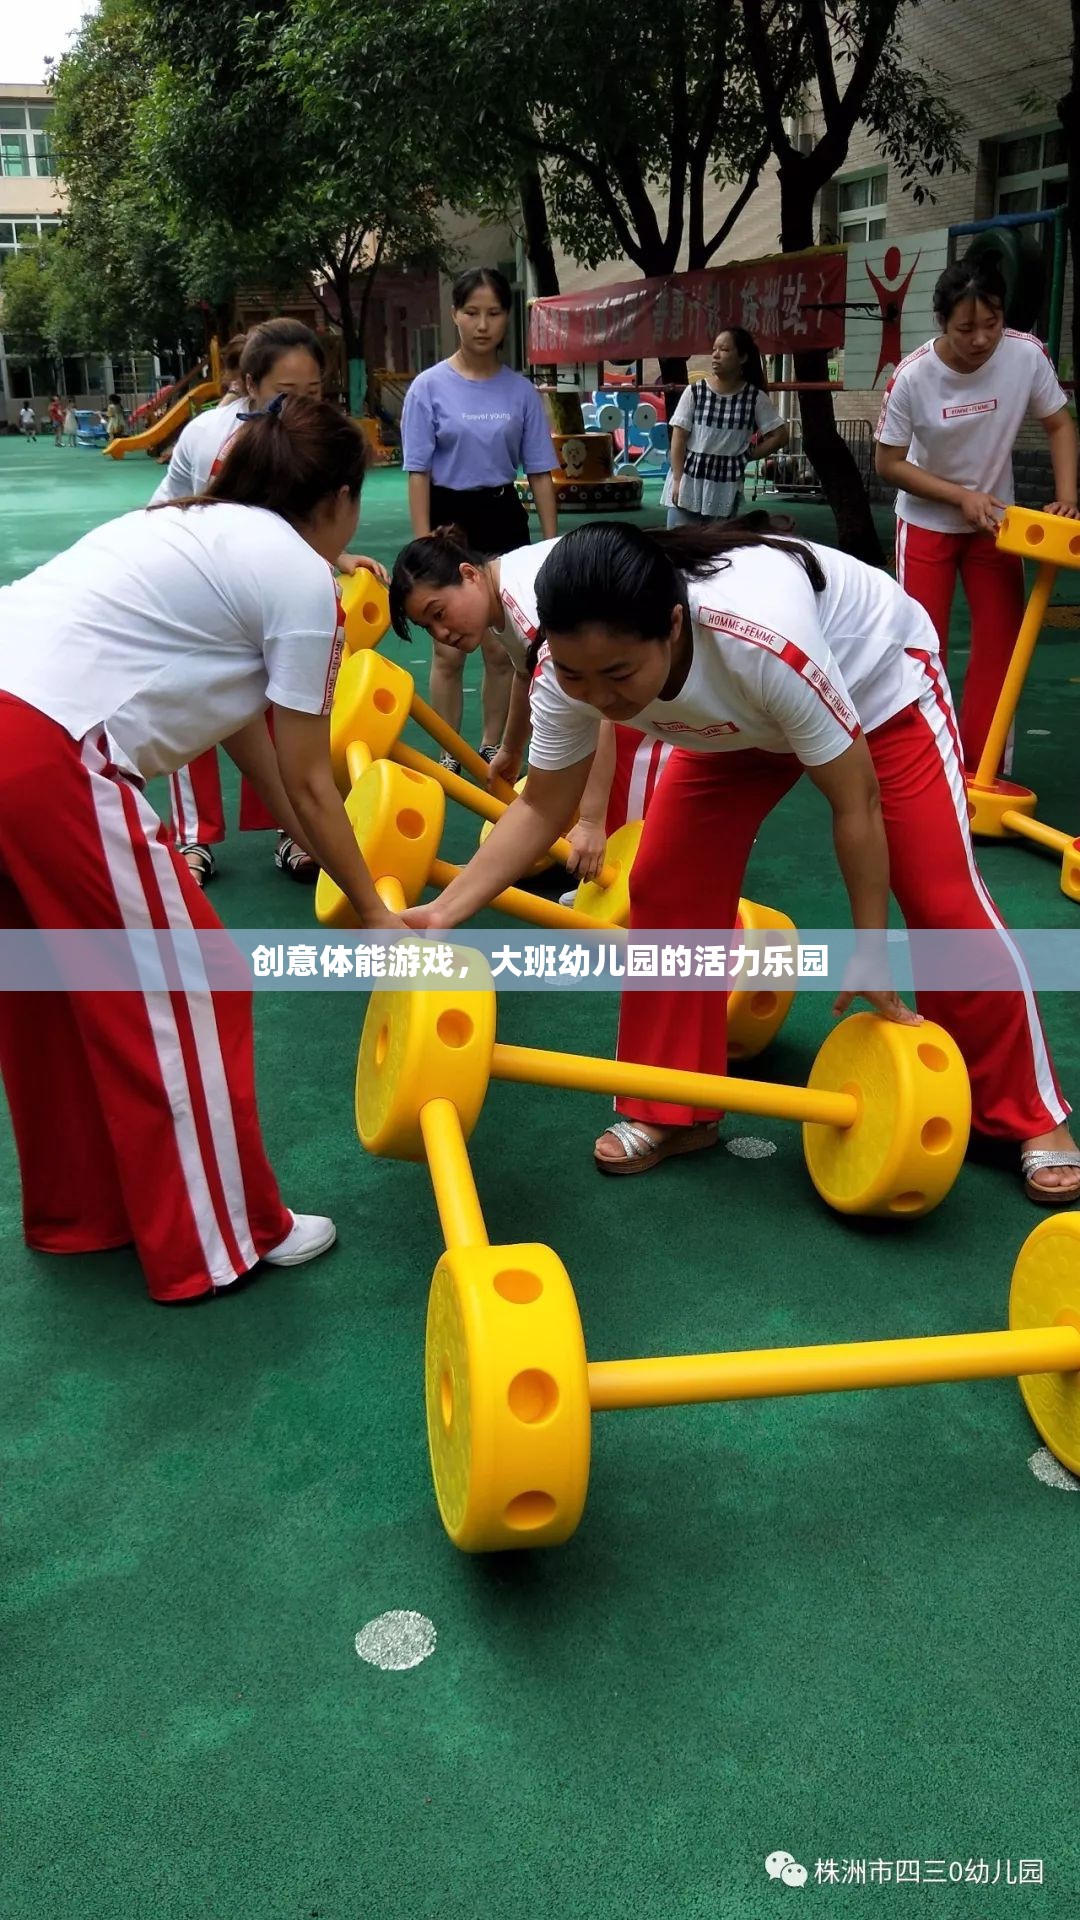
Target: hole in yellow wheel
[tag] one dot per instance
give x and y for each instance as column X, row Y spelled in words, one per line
column 1034, row 536
column 1074, row 543
column 529, row 1511
column 406, row 773
column 382, row 1044
column 369, row 612
column 937, row 1135
column 763, row 1005
column 933, row 1057
column 409, row 823
column 454, row 1028
column 517, row 1286
column 907, row 1202
column 384, row 700
column 446, row 1397
column 532, row 1396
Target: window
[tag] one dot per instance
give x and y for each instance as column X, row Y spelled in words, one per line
column 25, row 146
column 22, row 233
column 1032, row 172
column 860, row 207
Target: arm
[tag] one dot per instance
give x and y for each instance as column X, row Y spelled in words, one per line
column 420, row 504
column 507, row 762
column 292, row 775
column 771, row 442
column 679, row 442
column 588, row 836
column 543, row 489
column 849, row 784
column 982, row 511
column 521, row 836
column 1060, row 429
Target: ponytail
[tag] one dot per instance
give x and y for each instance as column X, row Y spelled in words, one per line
column 288, row 458
column 611, row 574
column 434, row 560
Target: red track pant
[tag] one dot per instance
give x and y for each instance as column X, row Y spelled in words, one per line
column 639, row 761
column 927, row 566
column 689, row 873
column 198, row 810
column 134, row 1112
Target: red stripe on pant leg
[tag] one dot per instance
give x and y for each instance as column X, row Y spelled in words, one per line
column 688, row 873
column 924, row 807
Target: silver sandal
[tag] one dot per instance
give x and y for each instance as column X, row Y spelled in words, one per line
column 1034, row 1159
column 641, row 1153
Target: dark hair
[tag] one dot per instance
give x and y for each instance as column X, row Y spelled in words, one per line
column 288, row 459
column 974, row 279
column 114, row 399
column 230, row 357
column 612, row 574
column 435, row 560
column 747, row 349
column 467, row 283
column 265, row 344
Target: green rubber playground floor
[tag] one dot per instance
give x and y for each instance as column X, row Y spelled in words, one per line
column 838, row 1626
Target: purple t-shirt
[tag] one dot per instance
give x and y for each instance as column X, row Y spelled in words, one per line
column 474, row 433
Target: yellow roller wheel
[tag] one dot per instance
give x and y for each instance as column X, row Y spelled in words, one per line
column 1045, row 537
column 612, row 904
column 417, row 1047
column 1045, row 1291
column 1070, row 871
column 365, row 603
column 987, row 805
column 507, row 1398
column 538, row 866
column 371, row 703
column 756, row 1014
column 908, row 1142
column 397, row 818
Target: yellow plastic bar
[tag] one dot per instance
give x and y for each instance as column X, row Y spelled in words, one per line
column 456, row 1197
column 357, row 759
column 1013, row 685
column 790, row 1370
column 535, row 1067
column 483, row 803
column 391, row 893
column 451, row 742
column 526, row 906
column 1022, row 823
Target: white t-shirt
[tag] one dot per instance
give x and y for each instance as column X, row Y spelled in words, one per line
column 720, row 427
column 517, row 576
column 963, row 426
column 776, row 666
column 172, row 630
column 196, row 452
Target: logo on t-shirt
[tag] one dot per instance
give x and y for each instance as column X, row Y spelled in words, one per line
column 337, row 647
column 973, row 406
column 789, row 653
column 706, row 733
column 521, row 620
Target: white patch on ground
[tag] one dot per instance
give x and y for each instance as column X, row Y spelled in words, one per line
column 397, row 1640
column 1038, row 733
column 747, row 1146
column 1050, row 1471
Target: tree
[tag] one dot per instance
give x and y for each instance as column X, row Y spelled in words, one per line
column 901, row 106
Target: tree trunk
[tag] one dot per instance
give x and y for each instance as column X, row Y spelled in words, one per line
column 830, row 458
column 538, row 246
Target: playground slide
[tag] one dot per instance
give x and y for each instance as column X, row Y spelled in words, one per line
column 168, row 426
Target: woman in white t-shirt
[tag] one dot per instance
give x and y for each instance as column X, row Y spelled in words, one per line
column 712, row 428
column 279, row 356
column 949, row 420
column 764, row 658
column 154, row 637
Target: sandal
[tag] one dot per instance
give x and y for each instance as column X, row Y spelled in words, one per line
column 199, row 860
column 641, row 1152
column 291, row 859
column 1034, row 1159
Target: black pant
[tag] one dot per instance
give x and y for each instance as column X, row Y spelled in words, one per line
column 492, row 519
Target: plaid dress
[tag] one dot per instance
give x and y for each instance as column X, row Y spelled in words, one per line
column 720, row 427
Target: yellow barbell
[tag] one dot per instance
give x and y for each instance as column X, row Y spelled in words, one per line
column 510, row 1390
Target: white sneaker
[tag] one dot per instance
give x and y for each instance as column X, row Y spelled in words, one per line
column 567, row 899
column 310, row 1235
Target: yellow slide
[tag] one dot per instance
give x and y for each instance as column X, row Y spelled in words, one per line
column 167, row 427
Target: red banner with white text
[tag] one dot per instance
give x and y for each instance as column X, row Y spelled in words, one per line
column 789, row 302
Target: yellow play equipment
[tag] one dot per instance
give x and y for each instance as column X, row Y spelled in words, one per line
column 397, row 816
column 374, row 700
column 365, row 603
column 885, row 1115
column 195, row 393
column 511, row 1391
column 999, row 809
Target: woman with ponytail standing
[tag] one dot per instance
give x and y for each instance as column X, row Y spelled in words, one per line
column 764, row 658
column 712, row 431
column 154, row 638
